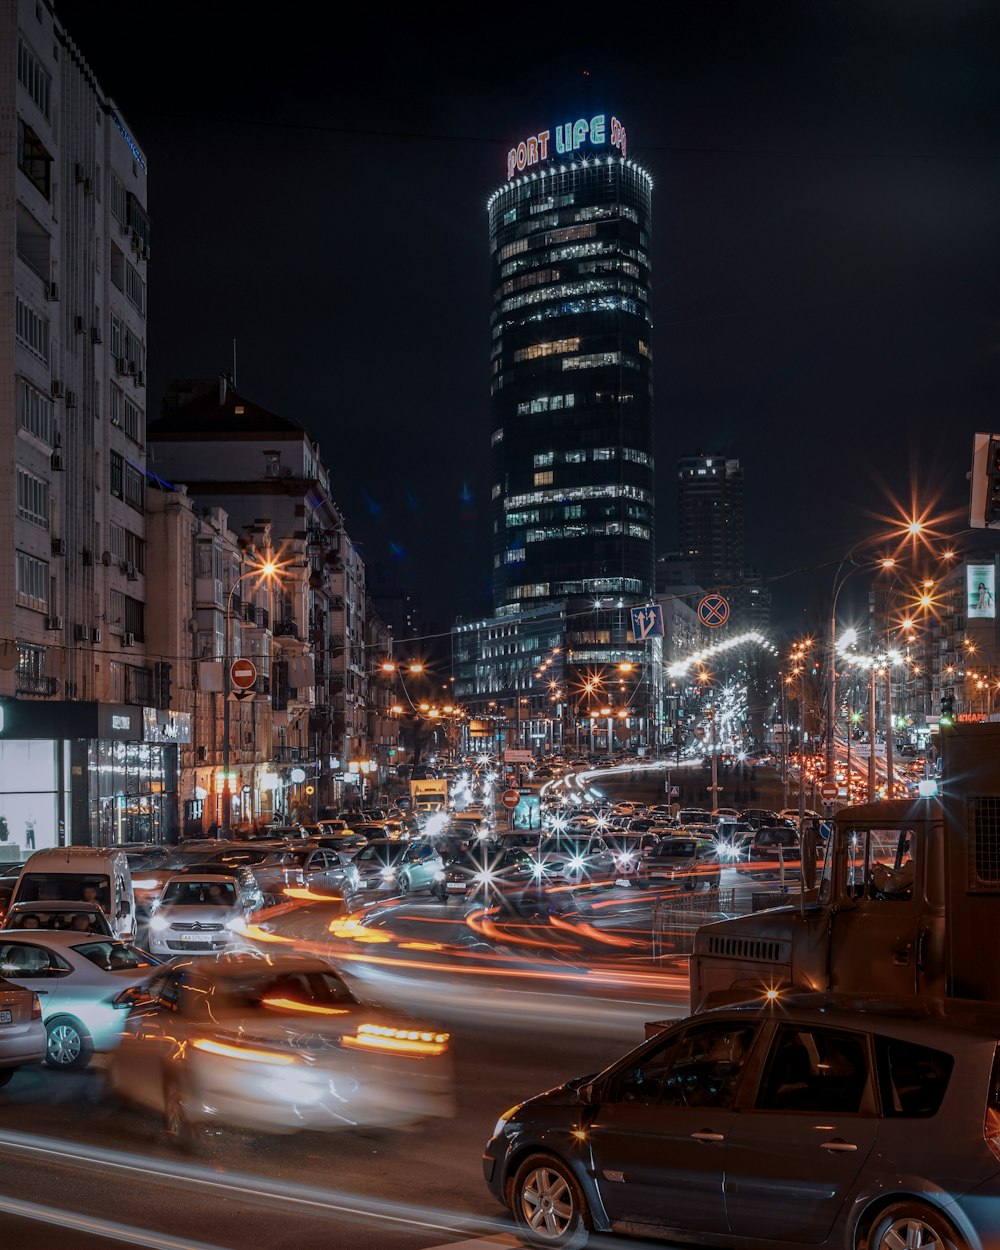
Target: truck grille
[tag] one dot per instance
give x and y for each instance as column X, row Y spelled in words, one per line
column 761, row 950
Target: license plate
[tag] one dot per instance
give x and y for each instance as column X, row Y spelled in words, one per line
column 6, row 1017
column 455, row 887
column 195, row 937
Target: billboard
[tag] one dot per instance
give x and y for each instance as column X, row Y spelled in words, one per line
column 980, row 592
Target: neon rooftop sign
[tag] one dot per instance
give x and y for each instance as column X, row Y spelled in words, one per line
column 568, row 138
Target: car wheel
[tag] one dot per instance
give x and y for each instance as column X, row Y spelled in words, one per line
column 68, row 1046
column 176, row 1123
column 548, row 1204
column 404, row 886
column 5, row 1075
column 906, row 1224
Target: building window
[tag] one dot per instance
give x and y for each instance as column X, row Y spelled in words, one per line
column 35, row 411
column 272, row 464
column 118, row 267
column 596, row 360
column 555, row 348
column 514, row 556
column 115, row 404
column 135, row 288
column 32, row 581
column 117, row 466
column 117, row 338
column 34, row 78
column 135, row 488
column 543, row 458
column 32, row 499
column 544, row 479
column 497, row 437
column 32, row 331
column 118, row 202
column 117, row 542
column 33, row 160
column 133, row 421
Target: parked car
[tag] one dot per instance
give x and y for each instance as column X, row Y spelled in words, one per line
column 682, row 861
column 809, row 1120
column 85, row 984
column 58, row 917
column 389, row 867
column 277, row 1045
column 22, row 1031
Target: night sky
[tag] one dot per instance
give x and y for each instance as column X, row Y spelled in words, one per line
column 826, row 247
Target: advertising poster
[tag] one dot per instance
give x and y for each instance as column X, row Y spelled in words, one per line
column 980, row 592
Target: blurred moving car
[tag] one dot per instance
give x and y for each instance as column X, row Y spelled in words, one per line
column 198, row 913
column 60, row 917
column 22, row 1032
column 389, row 867
column 344, row 840
column 810, row 1120
column 490, row 876
column 277, row 1045
column 683, row 861
column 84, row 983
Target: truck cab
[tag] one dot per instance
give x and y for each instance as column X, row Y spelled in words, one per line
column 908, row 895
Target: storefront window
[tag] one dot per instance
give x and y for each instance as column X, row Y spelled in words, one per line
column 29, row 798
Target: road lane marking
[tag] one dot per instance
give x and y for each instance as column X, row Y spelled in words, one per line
column 100, row 1228
column 360, row 1207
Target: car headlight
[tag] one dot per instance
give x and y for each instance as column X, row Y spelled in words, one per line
column 483, row 878
column 576, row 862
column 158, row 923
column 626, row 857
column 388, row 873
column 537, row 870
column 507, row 1115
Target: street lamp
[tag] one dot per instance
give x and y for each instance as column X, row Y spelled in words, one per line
column 265, row 571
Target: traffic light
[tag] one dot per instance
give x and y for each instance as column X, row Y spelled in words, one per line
column 162, row 672
column 984, row 497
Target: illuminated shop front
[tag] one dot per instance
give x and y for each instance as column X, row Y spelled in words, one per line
column 87, row 774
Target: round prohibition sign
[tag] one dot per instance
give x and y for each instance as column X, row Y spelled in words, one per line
column 713, row 611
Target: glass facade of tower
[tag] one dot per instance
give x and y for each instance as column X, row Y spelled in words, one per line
column 572, row 381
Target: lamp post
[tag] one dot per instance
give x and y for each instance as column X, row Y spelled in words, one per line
column 265, row 571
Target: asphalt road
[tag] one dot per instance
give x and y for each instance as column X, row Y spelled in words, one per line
column 78, row 1170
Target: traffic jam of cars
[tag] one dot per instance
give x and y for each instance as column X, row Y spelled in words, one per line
column 154, row 966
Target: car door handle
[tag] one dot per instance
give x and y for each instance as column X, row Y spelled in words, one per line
column 40, row 993
column 707, row 1135
column 838, row 1146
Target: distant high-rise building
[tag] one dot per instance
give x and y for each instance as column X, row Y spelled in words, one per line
column 710, row 519
column 572, row 370
column 572, row 446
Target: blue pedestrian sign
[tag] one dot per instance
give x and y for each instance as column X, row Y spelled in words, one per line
column 647, row 622
column 713, row 610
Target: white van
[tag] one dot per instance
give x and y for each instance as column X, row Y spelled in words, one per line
column 82, row 873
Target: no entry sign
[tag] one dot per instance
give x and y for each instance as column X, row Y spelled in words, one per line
column 510, row 798
column 243, row 674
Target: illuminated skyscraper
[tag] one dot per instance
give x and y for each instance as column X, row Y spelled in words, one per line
column 572, row 442
column 572, row 371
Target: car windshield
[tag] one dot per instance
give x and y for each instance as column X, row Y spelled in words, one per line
column 676, row 848
column 114, row 956
column 34, row 887
column 80, row 920
column 564, row 846
column 384, row 854
column 199, row 894
column 294, row 990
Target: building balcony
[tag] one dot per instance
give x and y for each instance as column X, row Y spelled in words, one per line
column 286, row 629
column 46, row 687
